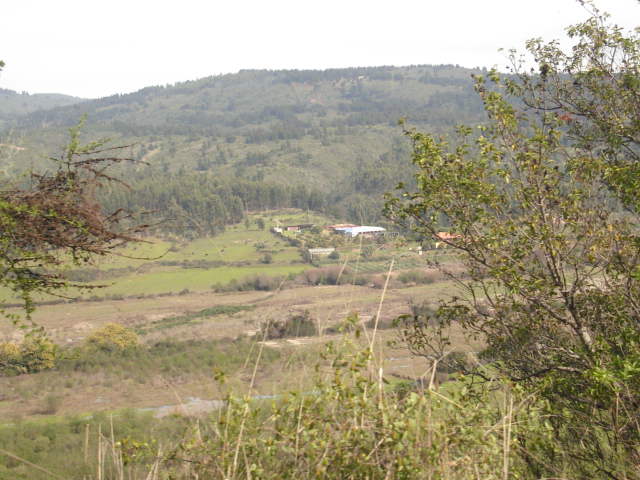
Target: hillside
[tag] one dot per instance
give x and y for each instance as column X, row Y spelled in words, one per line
column 14, row 104
column 333, row 131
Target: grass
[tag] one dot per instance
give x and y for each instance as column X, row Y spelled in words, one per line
column 370, row 429
column 349, row 424
column 171, row 358
column 174, row 280
column 190, row 317
column 237, row 244
column 162, row 372
column 163, row 279
column 68, row 446
column 172, row 265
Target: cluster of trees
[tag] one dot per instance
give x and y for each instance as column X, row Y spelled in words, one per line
column 545, row 200
column 201, row 204
column 36, row 352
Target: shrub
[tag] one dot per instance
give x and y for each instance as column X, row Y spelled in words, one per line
column 384, row 323
column 51, row 405
column 325, row 276
column 267, row 258
column 297, row 325
column 31, row 355
column 380, row 280
column 255, row 282
column 419, row 276
column 352, row 426
column 113, row 337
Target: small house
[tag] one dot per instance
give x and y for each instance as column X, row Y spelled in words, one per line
column 297, row 228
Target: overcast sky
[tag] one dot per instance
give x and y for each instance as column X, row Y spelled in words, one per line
column 92, row 48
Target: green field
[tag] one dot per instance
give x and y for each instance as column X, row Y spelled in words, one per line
column 196, row 279
column 173, row 265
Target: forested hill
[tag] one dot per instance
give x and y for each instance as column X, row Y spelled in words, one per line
column 13, row 104
column 289, row 100
column 334, row 131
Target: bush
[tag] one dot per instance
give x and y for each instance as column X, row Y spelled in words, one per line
column 297, row 325
column 267, row 258
column 31, row 355
column 256, row 282
column 332, row 275
column 352, row 426
column 113, row 337
column 51, row 405
column 419, row 276
column 383, row 323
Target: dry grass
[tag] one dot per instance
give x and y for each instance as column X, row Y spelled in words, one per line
column 328, row 305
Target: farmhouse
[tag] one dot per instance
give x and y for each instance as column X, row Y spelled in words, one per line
column 297, row 228
column 365, row 231
column 338, row 226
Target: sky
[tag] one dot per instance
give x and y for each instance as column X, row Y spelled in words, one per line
column 92, row 48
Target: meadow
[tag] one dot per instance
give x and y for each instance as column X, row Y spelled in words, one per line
column 201, row 339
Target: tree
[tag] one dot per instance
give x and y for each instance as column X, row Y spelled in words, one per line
column 57, row 220
column 543, row 202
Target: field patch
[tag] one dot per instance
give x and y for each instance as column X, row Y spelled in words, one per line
column 170, row 322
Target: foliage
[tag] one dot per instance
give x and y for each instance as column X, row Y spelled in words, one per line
column 355, row 426
column 323, row 140
column 331, row 275
column 352, row 425
column 266, row 258
column 419, row 276
column 544, row 202
column 33, row 354
column 205, row 204
column 113, row 337
column 265, row 283
column 58, row 218
column 296, row 325
column 171, row 358
column 68, row 446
